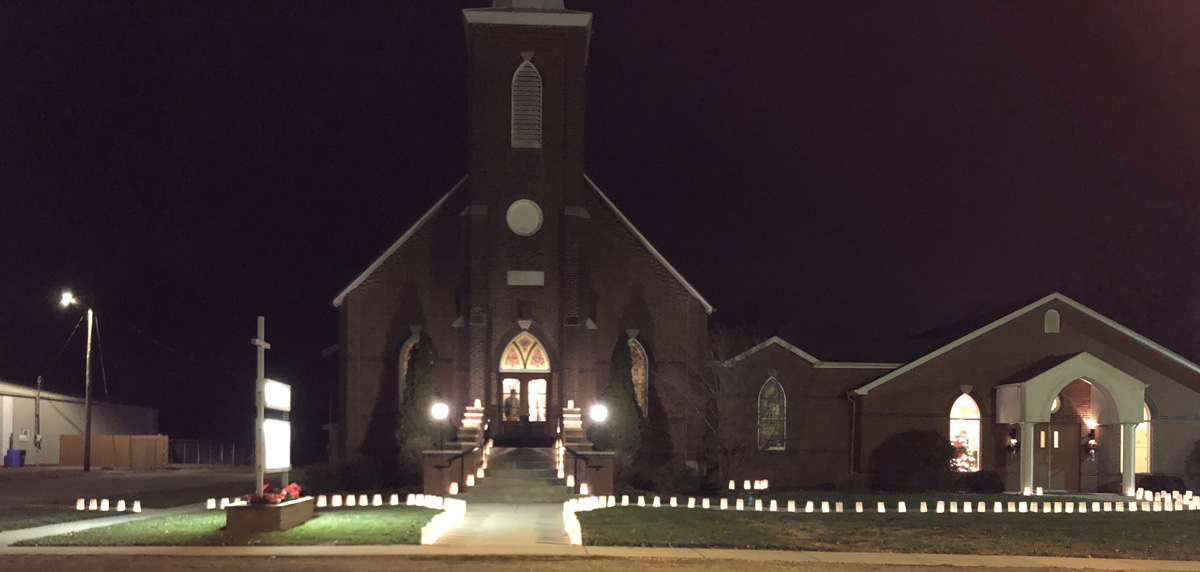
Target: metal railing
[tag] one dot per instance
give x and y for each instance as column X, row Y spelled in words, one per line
column 204, row 452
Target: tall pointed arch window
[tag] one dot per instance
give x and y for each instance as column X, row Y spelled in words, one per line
column 639, row 373
column 964, row 434
column 524, row 353
column 405, row 365
column 527, row 107
column 772, row 415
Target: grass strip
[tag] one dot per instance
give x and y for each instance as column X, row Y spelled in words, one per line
column 347, row 526
column 16, row 518
column 1160, row 535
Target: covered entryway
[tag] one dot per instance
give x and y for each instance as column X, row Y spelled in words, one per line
column 1120, row 402
column 523, row 416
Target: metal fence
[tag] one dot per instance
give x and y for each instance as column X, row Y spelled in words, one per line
column 202, row 452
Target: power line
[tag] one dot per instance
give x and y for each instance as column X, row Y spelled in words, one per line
column 64, row 348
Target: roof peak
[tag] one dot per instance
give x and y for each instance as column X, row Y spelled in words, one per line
column 529, row 4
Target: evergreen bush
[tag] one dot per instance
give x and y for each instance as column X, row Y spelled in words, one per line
column 912, row 461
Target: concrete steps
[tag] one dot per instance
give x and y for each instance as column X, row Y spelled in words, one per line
column 520, row 476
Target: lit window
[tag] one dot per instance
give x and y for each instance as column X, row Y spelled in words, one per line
column 527, row 107
column 638, row 371
column 772, row 415
column 524, row 353
column 964, row 434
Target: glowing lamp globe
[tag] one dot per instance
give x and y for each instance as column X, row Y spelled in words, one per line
column 598, row 413
column 440, row 411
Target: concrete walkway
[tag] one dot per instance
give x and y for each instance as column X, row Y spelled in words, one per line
column 508, row 525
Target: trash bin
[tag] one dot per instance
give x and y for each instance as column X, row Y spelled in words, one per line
column 12, row 458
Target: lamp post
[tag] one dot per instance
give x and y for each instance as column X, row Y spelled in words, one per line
column 440, row 411
column 69, row 299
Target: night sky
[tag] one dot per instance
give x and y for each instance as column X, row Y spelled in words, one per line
column 852, row 173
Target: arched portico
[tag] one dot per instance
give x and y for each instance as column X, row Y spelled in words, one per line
column 1028, row 403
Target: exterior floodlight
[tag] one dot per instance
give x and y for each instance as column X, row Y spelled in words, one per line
column 67, row 299
column 440, row 411
column 598, row 413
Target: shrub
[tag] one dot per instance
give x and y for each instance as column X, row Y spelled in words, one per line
column 853, row 483
column 672, row 478
column 1160, row 482
column 983, row 482
column 911, row 461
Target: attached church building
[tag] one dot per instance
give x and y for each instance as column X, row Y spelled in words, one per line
column 524, row 277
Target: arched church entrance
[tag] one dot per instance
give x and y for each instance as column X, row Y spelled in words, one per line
column 524, row 390
column 1051, row 440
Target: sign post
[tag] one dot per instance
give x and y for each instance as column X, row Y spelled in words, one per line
column 260, row 446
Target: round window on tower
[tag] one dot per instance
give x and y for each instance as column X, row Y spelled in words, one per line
column 524, row 217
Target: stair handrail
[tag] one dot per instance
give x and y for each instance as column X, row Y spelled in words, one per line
column 451, row 460
column 462, row 465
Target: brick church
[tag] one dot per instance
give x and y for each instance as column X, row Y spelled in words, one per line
column 524, row 277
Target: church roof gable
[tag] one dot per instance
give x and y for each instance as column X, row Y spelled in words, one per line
column 1140, row 339
column 396, row 245
column 816, row 363
column 707, row 307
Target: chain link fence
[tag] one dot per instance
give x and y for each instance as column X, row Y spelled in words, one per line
column 203, row 452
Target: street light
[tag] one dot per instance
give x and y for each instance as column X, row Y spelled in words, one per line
column 440, row 411
column 69, row 299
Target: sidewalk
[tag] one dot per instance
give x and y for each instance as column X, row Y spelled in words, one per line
column 10, row 537
column 957, row 560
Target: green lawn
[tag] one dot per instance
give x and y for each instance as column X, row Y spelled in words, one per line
column 30, row 516
column 191, row 495
column 1163, row 535
column 372, row 525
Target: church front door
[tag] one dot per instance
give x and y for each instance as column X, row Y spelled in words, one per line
column 523, row 411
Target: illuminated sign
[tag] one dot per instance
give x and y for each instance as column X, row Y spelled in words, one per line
column 277, row 396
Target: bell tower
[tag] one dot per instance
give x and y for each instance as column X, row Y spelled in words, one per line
column 526, row 183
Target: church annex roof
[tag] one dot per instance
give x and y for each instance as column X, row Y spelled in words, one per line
column 396, row 245
column 1143, row 340
column 707, row 307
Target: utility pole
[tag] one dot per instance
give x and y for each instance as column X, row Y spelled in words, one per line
column 37, row 424
column 87, row 399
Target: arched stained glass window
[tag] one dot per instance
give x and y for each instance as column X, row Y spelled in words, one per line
column 964, row 434
column 527, row 107
column 405, row 363
column 524, row 353
column 772, row 415
column 639, row 372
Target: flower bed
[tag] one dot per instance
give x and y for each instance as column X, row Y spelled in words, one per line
column 247, row 518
